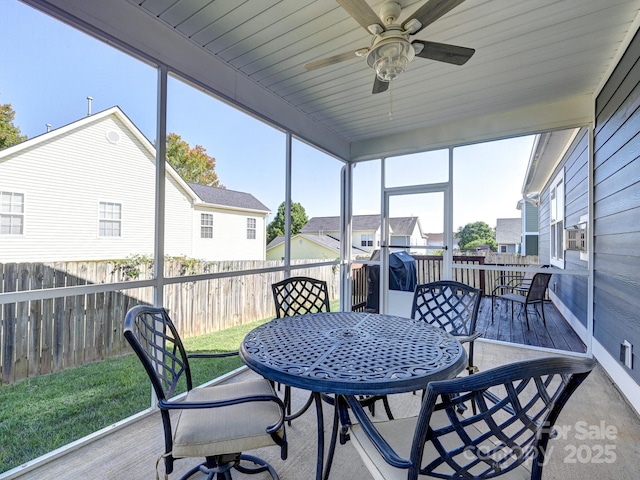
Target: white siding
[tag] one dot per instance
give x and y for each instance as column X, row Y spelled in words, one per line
column 65, row 178
column 229, row 236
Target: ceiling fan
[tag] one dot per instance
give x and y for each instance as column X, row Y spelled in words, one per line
column 391, row 51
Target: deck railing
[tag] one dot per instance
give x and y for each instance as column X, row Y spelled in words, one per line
column 429, row 268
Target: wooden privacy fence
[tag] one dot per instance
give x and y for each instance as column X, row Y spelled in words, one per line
column 48, row 335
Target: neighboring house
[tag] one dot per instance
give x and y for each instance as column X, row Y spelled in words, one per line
column 366, row 231
column 508, row 235
column 311, row 246
column 435, row 242
column 103, row 203
column 228, row 225
column 529, row 221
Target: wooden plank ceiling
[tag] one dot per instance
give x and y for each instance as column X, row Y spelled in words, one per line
column 537, row 65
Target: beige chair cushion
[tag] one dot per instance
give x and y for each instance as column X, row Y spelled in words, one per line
column 399, row 434
column 232, row 429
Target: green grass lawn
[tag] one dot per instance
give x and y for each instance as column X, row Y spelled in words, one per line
column 41, row 414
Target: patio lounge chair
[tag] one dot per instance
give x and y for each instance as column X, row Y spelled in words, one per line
column 517, row 405
column 534, row 295
column 216, row 422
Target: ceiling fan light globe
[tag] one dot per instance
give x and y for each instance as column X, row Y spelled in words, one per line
column 390, row 68
column 390, row 58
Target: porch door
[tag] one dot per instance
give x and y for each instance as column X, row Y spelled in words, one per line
column 431, row 204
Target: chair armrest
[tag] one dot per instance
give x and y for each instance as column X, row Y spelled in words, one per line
column 383, row 447
column 168, row 405
column 212, row 355
column 468, row 338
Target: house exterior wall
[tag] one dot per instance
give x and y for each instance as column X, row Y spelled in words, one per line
column 87, row 167
column 301, row 248
column 357, row 238
column 617, row 209
column 229, row 239
column 570, row 290
column 529, row 229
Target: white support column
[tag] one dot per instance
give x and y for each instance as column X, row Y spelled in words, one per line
column 161, row 148
column 287, row 208
column 384, row 242
column 346, row 234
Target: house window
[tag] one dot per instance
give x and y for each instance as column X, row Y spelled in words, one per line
column 251, row 228
column 110, row 219
column 11, row 213
column 206, row 225
column 366, row 240
column 503, row 249
column 556, row 231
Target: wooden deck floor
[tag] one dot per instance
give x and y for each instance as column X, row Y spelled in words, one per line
column 557, row 334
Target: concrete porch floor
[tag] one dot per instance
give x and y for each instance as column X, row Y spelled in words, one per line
column 131, row 452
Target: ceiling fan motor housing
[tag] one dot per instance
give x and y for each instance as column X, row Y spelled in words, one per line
column 390, row 53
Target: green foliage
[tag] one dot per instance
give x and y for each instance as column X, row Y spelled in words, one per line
column 474, row 234
column 9, row 133
column 192, row 164
column 298, row 220
column 131, row 267
column 43, row 413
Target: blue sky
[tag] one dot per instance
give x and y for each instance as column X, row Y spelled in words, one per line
column 48, row 69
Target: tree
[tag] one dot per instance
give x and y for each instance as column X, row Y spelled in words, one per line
column 192, row 164
column 298, row 220
column 474, row 234
column 9, row 133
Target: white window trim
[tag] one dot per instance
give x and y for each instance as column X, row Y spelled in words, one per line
column 24, row 213
column 553, row 234
column 202, row 214
column 253, row 228
column 100, row 219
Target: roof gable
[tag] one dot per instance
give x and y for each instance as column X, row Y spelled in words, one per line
column 227, row 198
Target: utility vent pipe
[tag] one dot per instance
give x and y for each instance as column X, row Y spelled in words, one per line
column 48, row 127
column 89, row 99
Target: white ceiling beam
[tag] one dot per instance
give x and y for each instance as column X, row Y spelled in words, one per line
column 566, row 113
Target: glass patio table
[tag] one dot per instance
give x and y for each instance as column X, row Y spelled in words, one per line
column 350, row 354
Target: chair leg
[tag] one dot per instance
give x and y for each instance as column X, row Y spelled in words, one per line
column 544, row 320
column 526, row 315
column 493, row 299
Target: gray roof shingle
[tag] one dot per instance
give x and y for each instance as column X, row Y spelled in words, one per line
column 227, row 198
column 508, row 230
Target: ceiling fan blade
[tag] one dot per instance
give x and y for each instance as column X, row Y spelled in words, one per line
column 379, row 86
column 325, row 62
column 432, row 11
column 443, row 52
column 361, row 13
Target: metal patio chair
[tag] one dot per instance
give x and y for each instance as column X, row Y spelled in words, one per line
column 299, row 296
column 534, row 295
column 216, row 423
column 517, row 406
column 452, row 306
